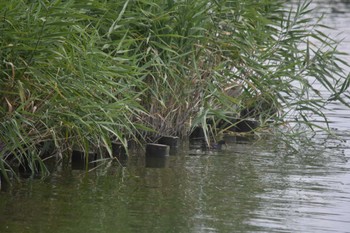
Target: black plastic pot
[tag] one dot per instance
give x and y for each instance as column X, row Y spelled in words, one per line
column 157, row 150
column 82, row 160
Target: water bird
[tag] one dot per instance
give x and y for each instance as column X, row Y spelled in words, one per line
column 203, row 145
column 216, row 146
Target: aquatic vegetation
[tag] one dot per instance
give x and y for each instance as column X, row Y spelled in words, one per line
column 84, row 75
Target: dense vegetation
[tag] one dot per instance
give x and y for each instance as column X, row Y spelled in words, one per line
column 85, row 73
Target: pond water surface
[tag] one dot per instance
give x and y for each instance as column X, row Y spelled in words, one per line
column 247, row 187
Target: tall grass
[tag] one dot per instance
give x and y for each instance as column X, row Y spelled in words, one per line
column 84, row 74
column 58, row 84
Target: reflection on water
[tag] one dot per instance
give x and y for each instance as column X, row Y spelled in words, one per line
column 247, row 187
column 244, row 188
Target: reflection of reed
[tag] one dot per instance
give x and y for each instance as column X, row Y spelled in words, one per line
column 223, row 188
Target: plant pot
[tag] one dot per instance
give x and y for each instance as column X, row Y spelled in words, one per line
column 82, row 160
column 119, row 152
column 244, row 126
column 197, row 133
column 171, row 141
column 157, row 150
column 238, row 125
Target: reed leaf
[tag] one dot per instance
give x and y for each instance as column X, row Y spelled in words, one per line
column 84, row 75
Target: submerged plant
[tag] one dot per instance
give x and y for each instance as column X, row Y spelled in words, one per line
column 84, row 75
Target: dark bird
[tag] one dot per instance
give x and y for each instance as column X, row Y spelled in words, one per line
column 211, row 146
column 216, row 146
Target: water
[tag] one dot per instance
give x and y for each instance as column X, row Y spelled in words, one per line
column 244, row 188
column 247, row 187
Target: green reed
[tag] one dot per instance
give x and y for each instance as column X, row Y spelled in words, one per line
column 86, row 74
